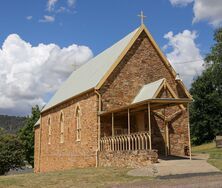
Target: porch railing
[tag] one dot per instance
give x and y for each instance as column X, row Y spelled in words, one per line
column 134, row 141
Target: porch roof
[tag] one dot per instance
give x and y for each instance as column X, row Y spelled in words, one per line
column 149, row 94
column 148, row 91
column 157, row 103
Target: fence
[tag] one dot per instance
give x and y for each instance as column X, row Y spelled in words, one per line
column 134, row 141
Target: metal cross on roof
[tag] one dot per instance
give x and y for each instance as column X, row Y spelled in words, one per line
column 141, row 15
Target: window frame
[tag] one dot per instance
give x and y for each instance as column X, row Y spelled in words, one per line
column 49, row 130
column 62, row 127
column 78, row 123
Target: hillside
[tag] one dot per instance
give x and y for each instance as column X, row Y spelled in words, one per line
column 215, row 154
column 11, row 124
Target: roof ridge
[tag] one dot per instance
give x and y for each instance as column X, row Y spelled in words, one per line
column 107, row 49
column 90, row 74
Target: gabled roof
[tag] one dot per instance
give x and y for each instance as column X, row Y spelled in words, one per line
column 95, row 72
column 89, row 75
column 151, row 91
column 148, row 91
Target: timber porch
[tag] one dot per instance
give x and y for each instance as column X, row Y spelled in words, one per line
column 134, row 129
column 155, row 123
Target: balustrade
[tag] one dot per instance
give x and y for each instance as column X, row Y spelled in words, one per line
column 133, row 141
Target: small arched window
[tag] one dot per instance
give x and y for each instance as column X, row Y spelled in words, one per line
column 78, row 124
column 49, row 131
column 61, row 128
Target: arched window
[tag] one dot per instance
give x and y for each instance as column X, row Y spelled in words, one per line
column 61, row 128
column 49, row 131
column 78, row 124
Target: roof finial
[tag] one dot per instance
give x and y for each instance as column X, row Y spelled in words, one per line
column 141, row 15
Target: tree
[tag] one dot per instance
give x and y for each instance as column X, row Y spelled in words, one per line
column 11, row 153
column 26, row 135
column 2, row 131
column 206, row 110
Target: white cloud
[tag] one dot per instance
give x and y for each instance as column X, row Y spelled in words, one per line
column 29, row 73
column 180, row 2
column 28, row 17
column 61, row 9
column 71, row 3
column 209, row 10
column 51, row 5
column 67, row 7
column 184, row 54
column 47, row 18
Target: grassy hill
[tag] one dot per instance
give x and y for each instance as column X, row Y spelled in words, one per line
column 215, row 154
column 11, row 124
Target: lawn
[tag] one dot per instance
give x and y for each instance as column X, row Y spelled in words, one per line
column 215, row 153
column 94, row 177
column 88, row 177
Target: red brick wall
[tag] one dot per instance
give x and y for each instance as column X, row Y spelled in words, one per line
column 36, row 149
column 140, row 66
column 178, row 133
column 71, row 153
column 158, row 134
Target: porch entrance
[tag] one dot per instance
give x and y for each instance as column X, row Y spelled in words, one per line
column 126, row 130
column 144, row 126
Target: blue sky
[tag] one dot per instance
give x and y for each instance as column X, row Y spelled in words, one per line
column 38, row 35
column 98, row 23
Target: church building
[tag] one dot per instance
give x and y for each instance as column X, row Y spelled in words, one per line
column 126, row 107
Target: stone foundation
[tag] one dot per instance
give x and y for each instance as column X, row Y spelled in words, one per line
column 133, row 159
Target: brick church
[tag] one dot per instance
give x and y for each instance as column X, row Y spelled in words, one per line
column 124, row 107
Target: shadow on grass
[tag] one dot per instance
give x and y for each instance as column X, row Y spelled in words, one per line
column 180, row 176
column 173, row 157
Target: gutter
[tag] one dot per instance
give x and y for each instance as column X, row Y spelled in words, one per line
column 64, row 101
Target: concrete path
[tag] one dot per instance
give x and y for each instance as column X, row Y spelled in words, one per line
column 176, row 166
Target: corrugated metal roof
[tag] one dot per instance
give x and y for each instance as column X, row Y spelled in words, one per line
column 148, row 91
column 89, row 75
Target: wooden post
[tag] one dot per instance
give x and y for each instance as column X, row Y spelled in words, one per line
column 167, row 139
column 128, row 121
column 112, row 124
column 149, row 125
column 166, row 133
column 188, row 111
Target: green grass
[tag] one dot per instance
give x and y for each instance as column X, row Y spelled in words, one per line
column 88, row 177
column 215, row 154
column 93, row 177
